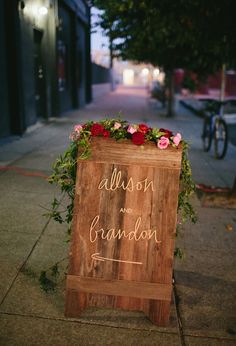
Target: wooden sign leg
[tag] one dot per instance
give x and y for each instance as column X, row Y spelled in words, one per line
column 159, row 312
column 76, row 302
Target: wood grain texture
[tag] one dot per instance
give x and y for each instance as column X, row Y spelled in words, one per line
column 125, row 152
column 137, row 289
column 101, row 265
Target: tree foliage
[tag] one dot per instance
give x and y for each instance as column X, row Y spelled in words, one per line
column 197, row 35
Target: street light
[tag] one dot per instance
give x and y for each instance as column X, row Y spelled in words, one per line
column 42, row 11
column 32, row 9
column 156, row 72
column 145, row 72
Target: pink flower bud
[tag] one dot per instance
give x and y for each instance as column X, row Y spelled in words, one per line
column 177, row 139
column 78, row 128
column 131, row 129
column 163, row 142
column 117, row 125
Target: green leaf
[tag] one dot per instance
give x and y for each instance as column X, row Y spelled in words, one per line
column 178, row 253
column 45, row 283
column 54, row 270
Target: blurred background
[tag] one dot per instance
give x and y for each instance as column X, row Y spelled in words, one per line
column 56, row 57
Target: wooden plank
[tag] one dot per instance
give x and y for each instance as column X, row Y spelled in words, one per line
column 125, row 152
column 124, row 288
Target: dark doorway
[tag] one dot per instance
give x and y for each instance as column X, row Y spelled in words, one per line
column 39, row 76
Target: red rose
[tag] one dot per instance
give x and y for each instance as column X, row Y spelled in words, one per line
column 138, row 138
column 106, row 133
column 97, row 129
column 143, row 128
column 167, row 134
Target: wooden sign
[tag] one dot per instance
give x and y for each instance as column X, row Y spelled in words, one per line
column 124, row 229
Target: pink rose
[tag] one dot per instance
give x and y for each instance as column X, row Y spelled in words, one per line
column 74, row 136
column 117, row 125
column 177, row 139
column 163, row 142
column 131, row 129
column 78, row 128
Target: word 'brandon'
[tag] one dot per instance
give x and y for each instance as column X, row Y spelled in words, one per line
column 113, row 233
column 117, row 182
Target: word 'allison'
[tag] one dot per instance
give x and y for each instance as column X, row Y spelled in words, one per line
column 117, row 182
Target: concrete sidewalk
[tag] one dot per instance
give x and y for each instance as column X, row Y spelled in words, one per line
column 205, row 280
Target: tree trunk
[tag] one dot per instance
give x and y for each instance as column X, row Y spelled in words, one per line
column 111, row 65
column 170, row 93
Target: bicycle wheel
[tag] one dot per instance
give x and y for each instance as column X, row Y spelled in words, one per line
column 206, row 134
column 220, row 138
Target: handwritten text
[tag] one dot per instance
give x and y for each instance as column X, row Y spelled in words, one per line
column 117, row 182
column 113, row 233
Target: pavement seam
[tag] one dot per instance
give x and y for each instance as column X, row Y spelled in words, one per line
column 115, row 327
column 24, row 262
column 85, row 322
column 177, row 312
column 210, row 337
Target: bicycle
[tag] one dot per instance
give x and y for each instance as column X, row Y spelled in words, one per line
column 215, row 127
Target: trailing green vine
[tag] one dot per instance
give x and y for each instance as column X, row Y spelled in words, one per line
column 65, row 167
column 187, row 187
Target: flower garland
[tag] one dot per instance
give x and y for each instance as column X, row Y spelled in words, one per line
column 65, row 167
column 139, row 134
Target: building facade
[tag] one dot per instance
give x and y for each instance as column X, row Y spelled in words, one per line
column 45, row 67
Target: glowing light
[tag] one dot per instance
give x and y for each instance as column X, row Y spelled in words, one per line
column 128, row 76
column 156, row 72
column 43, row 11
column 145, row 71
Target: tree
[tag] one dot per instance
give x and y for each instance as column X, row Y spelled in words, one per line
column 197, row 35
